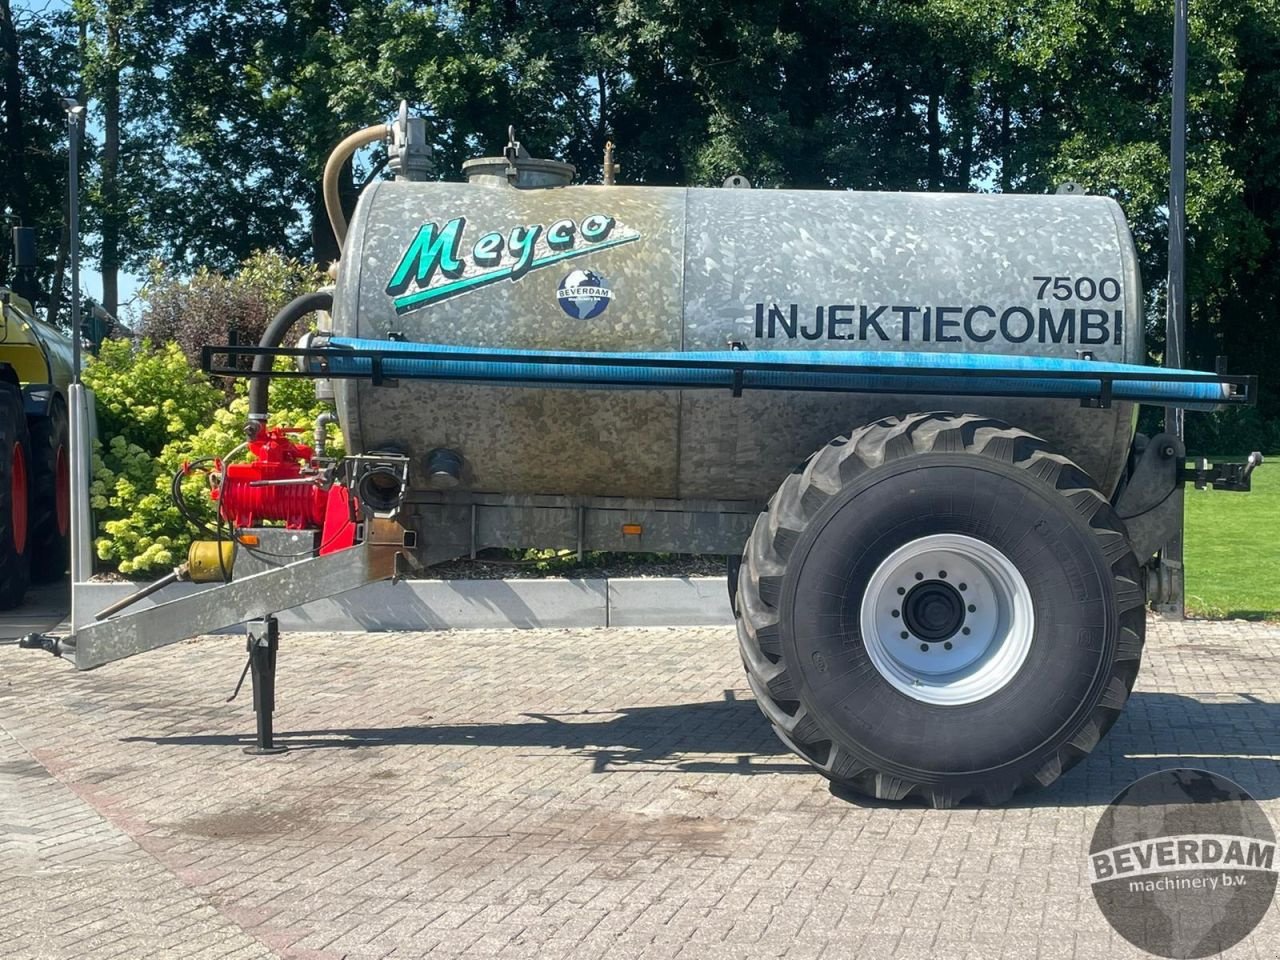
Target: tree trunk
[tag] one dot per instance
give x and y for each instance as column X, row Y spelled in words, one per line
column 935, row 143
column 1005, row 179
column 13, row 148
column 967, row 121
column 602, row 127
column 54, row 306
column 111, row 206
column 901, row 172
column 64, row 235
column 324, row 246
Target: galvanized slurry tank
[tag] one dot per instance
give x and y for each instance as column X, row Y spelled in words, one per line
column 662, row 269
column 941, row 606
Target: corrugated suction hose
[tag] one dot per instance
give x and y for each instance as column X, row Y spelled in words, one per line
column 276, row 331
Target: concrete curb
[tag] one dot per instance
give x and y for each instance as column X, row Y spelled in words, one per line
column 477, row 604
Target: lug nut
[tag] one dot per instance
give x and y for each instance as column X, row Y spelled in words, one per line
column 924, row 647
column 947, row 645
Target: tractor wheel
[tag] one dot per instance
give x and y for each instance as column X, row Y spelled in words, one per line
column 50, row 494
column 15, row 485
column 940, row 606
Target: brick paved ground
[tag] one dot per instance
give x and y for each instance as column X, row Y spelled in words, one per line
column 572, row 793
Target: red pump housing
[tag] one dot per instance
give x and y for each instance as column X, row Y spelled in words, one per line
column 301, row 506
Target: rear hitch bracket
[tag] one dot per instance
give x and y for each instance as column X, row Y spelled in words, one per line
column 1232, row 477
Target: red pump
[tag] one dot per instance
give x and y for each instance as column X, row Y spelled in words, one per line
column 300, row 505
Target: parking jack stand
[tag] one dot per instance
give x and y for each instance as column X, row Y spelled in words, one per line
column 264, row 643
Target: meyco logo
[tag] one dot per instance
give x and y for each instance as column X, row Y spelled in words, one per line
column 437, row 265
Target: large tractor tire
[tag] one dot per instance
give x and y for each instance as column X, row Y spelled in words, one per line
column 15, row 486
column 50, row 466
column 941, row 607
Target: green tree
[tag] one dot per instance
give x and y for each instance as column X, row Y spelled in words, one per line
column 228, row 109
column 37, row 60
column 125, row 61
column 1112, row 135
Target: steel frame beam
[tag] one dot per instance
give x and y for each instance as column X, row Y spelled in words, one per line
column 253, row 598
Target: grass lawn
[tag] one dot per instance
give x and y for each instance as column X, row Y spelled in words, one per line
column 1233, row 549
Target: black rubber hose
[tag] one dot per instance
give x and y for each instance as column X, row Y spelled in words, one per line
column 273, row 336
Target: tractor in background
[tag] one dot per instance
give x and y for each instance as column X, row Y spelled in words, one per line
column 35, row 503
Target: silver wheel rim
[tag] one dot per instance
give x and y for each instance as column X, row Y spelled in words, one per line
column 925, row 647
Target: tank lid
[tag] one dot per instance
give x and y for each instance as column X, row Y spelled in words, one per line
column 518, row 169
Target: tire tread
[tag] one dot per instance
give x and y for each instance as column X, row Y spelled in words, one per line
column 15, row 566
column 49, row 546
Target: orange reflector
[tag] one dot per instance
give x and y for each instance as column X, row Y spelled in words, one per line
column 248, row 539
column 632, row 529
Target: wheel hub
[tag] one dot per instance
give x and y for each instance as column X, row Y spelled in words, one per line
column 947, row 619
column 933, row 610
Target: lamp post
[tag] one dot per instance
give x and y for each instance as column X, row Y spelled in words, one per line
column 75, row 129
column 80, row 515
column 1176, row 316
column 1176, row 304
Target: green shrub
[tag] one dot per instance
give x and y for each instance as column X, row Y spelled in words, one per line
column 125, row 503
column 208, row 307
column 148, row 395
column 156, row 410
